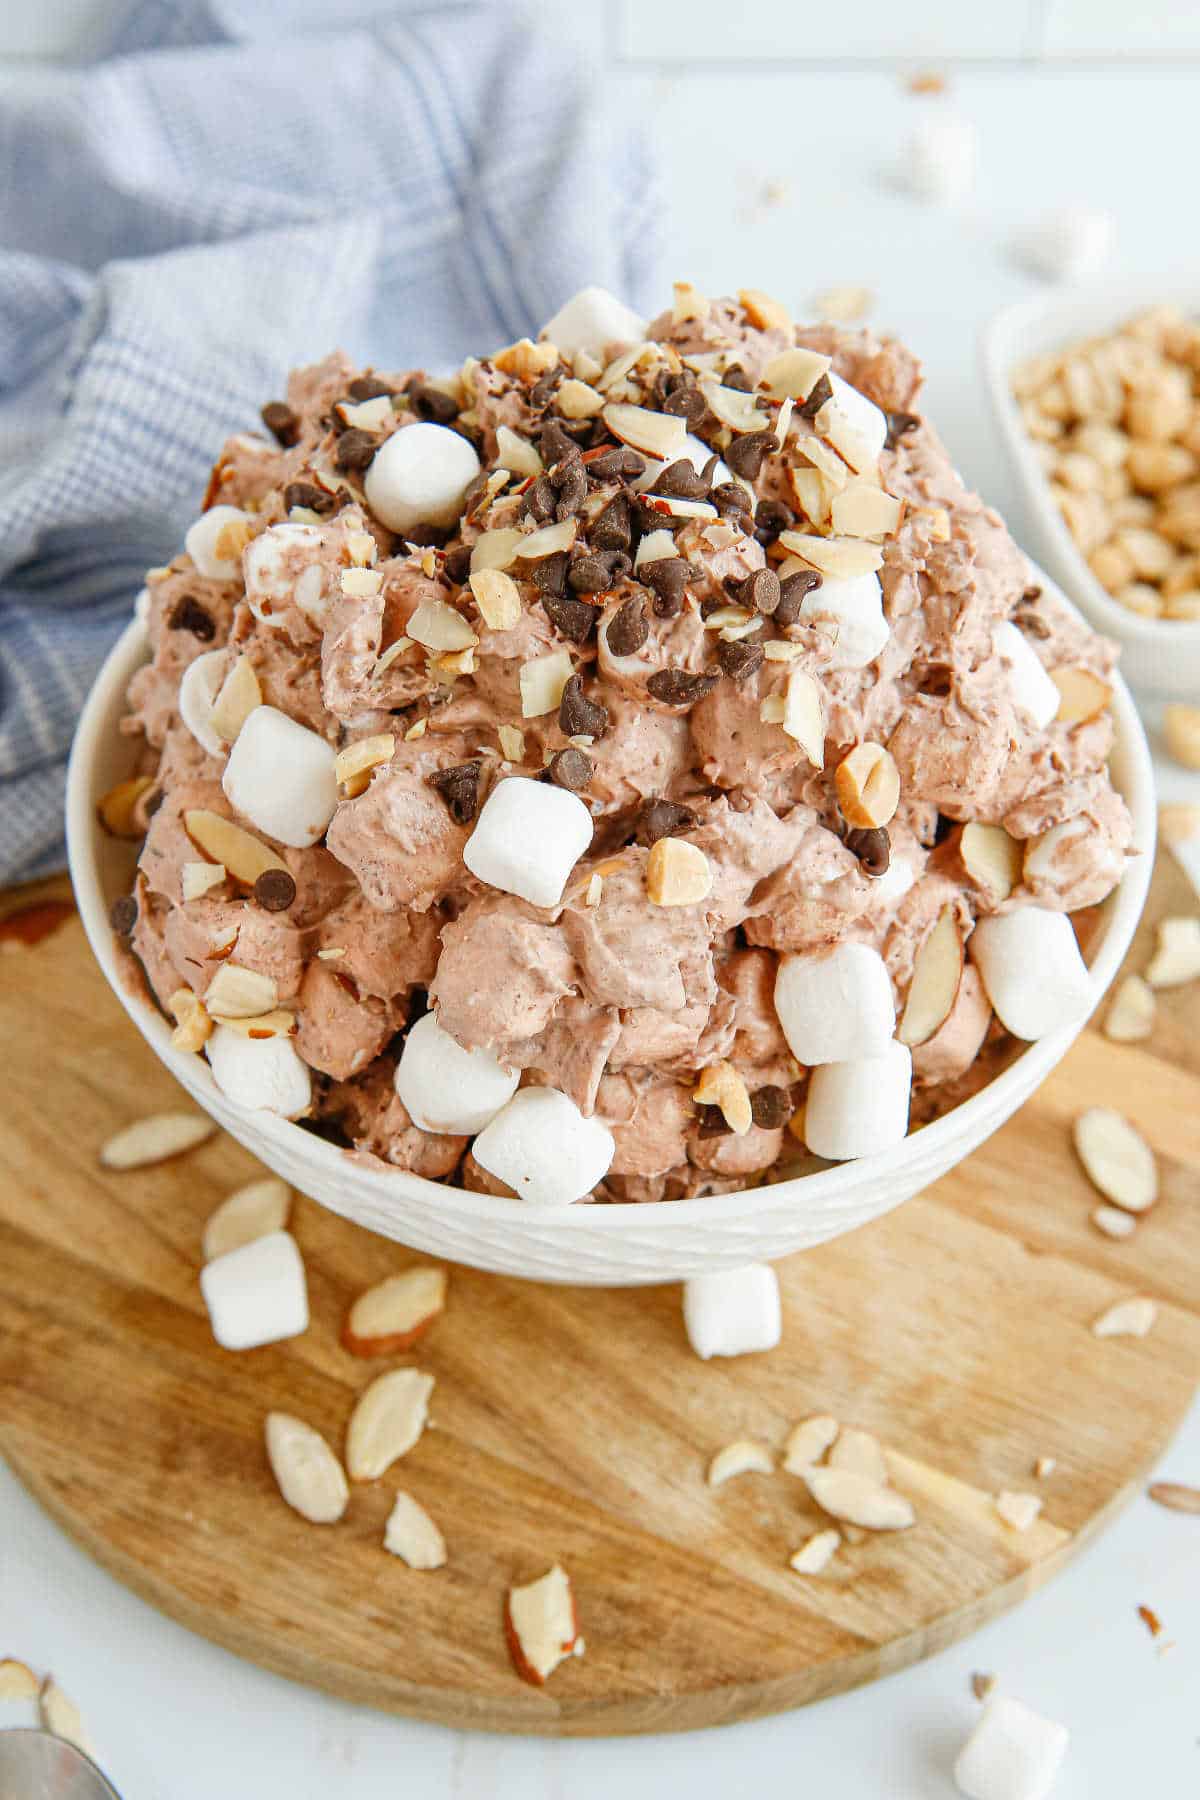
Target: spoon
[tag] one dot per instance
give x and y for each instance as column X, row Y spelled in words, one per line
column 34, row 1765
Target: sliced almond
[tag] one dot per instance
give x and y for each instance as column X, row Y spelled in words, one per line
column 60, row 1715
column 1116, row 1159
column 688, row 303
column 937, row 973
column 387, row 1421
column 498, row 598
column 360, row 584
column 1181, row 732
column 677, row 873
column 1175, row 1497
column 512, row 743
column 784, row 651
column 815, row 1553
column 526, row 359
column 1176, row 958
column 812, row 493
column 793, row 374
column 496, row 549
column 991, row 858
column 763, row 311
column 542, row 681
column 239, row 993
column 576, row 400
column 1018, row 1510
column 118, row 808
column 868, row 786
column 453, row 663
column 1130, row 1017
column 411, row 1535
column 517, row 453
column 156, row 1139
column 802, row 715
column 721, row 1085
column 982, row 1686
column 366, row 415
column 836, row 425
column 231, row 540
column 808, row 1442
column 1113, row 1222
column 361, row 546
column 837, row 557
column 197, row 878
column 864, row 511
column 595, row 889
column 661, row 435
column 859, row 1451
column 829, row 464
column 249, row 1213
column 743, row 1458
column 440, row 627
column 17, row 1682
column 541, row 1625
column 845, row 1494
column 356, row 761
column 1081, row 695
column 740, row 411
column 240, row 852
column 843, row 304
column 548, row 541
column 934, row 521
column 309, row 1475
column 394, row 1314
column 1128, row 1318
column 238, row 696
column 1045, row 1466
column 1177, row 824
column 193, row 1027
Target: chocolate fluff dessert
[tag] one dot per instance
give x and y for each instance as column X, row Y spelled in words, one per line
column 617, row 771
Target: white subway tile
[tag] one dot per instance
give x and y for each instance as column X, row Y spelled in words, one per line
column 700, row 31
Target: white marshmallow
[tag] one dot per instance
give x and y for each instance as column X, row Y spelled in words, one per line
column 420, row 476
column 858, row 1108
column 939, row 157
column 866, row 420
column 894, row 883
column 257, row 1294
column 528, row 838
column 198, row 690
column 1012, row 1754
column 732, row 1312
column 591, row 320
column 835, row 1004
column 855, row 602
column 1030, row 964
column 261, row 1074
column 271, row 581
column 542, row 1147
column 447, row 1088
column 280, row 776
column 201, row 542
column 1067, row 245
column 1029, row 687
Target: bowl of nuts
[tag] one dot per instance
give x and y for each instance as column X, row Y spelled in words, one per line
column 1097, row 395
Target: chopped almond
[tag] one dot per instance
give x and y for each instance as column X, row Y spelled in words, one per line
column 541, row 1625
column 677, row 873
column 721, row 1085
column 395, row 1314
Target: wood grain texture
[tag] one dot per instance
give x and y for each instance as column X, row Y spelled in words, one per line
column 576, row 1424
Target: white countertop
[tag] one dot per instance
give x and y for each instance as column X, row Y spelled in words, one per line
column 775, row 177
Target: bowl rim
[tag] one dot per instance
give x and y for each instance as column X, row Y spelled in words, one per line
column 1073, row 312
column 328, row 1162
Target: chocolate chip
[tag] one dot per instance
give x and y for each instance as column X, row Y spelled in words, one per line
column 543, row 389
column 735, row 377
column 571, row 488
column 759, row 591
column 549, row 573
column 355, row 449
column 577, row 715
column 457, row 564
column 274, row 890
column 281, row 422
column 770, row 518
column 713, row 1122
column 899, row 424
column 427, row 535
column 818, row 394
column 1031, row 594
column 627, row 629
column 740, row 661
column 431, row 404
column 152, row 803
column 679, row 481
column 663, row 818
column 731, row 500
column 676, row 687
column 792, row 592
column 368, row 387
column 746, row 455
column 459, row 788
column 555, row 445
column 594, row 574
column 668, row 576
column 575, row 619
column 541, row 500
column 187, row 614
column 770, row 1108
column 613, row 528
column 617, row 464
column 873, row 849
column 308, row 494
column 123, row 915
column 570, row 769
column 686, row 403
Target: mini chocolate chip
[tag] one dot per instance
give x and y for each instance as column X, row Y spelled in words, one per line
column 680, row 481
column 457, row 564
column 792, row 591
column 663, row 818
column 676, row 687
column 152, row 803
column 541, row 500
column 617, row 464
column 759, row 591
column 459, row 788
column 555, row 444
column 368, row 387
column 355, row 449
column 872, row 847
column 668, row 576
column 730, row 500
column 592, row 574
column 1031, row 594
column 746, row 455
column 570, row 484
column 431, row 404
column 542, row 391
column 123, row 915
column 282, row 422
column 770, row 518
column 570, row 769
column 574, row 619
column 1030, row 622
column 945, row 825
column 549, row 573
column 187, row 614
column 770, row 1108
column 308, row 494
column 577, row 715
column 740, row 661
column 686, row 403
column 627, row 629
column 899, row 424
column 735, row 377
column 274, row 890
column 713, row 1122
column 427, row 536
column 818, row 394
column 613, row 528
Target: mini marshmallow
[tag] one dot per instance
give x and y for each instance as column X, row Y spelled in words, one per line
column 1012, row 1754
column 835, row 1004
column 541, row 1146
column 280, row 776
column 1029, row 687
column 446, row 1088
column 420, row 476
column 1067, row 245
column 261, row 1074
column 733, row 1312
column 270, row 577
column 860, row 1107
column 201, row 542
column 865, row 419
column 1030, row 964
column 939, row 157
column 527, row 839
column 198, row 690
column 257, row 1294
column 855, row 602
column 591, row 320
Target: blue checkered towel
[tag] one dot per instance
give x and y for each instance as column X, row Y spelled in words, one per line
column 225, row 193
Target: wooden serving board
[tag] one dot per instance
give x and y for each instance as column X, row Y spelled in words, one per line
column 576, row 1424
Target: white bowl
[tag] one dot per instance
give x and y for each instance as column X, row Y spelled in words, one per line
column 617, row 1246
column 1162, row 656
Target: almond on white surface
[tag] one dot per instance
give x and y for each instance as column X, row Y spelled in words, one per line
column 60, row 1715
column 308, row 1474
column 17, row 1680
column 541, row 1625
column 387, row 1421
column 413, row 1536
column 815, row 1553
column 395, row 1314
column 248, row 1213
column 1176, row 958
column 1128, row 1318
column 845, row 1494
column 745, row 1457
column 807, row 1442
column 1130, row 1016
column 156, row 1139
column 1116, row 1158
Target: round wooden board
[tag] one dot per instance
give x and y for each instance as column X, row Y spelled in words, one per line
column 576, row 1424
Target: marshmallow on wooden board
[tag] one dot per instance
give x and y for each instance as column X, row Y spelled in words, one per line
column 591, row 320
column 1029, row 687
column 269, row 573
column 262, row 1074
column 528, row 837
column 256, row 1295
column 200, row 542
column 860, row 1107
column 445, row 1088
column 1029, row 962
column 732, row 1312
column 855, row 602
column 866, row 420
column 420, row 476
column 198, row 690
column 1012, row 1754
column 280, row 776
column 541, row 1146
column 835, row 1004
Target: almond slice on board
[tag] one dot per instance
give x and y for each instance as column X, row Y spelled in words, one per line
column 394, row 1314
column 861, row 1452
column 1117, row 1160
column 17, row 1681
column 815, row 1553
column 1130, row 1016
column 808, row 1442
column 247, row 1214
column 845, row 1494
column 1128, row 1318
column 387, row 1421
column 156, row 1139
column 1176, row 958
column 411, row 1535
column 743, row 1458
column 541, row 1625
column 1018, row 1510
column 60, row 1715
column 309, row 1475
column 1113, row 1222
